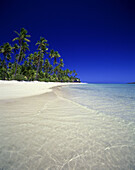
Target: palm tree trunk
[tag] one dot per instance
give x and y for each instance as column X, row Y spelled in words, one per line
column 4, row 65
column 38, row 68
column 50, row 60
column 17, row 61
column 16, row 66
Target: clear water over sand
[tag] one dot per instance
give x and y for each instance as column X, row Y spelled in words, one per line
column 117, row 100
column 81, row 127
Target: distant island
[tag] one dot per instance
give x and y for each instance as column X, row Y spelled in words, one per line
column 131, row 83
column 41, row 65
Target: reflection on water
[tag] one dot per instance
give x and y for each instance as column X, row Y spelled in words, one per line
column 58, row 131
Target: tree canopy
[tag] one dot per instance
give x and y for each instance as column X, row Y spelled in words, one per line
column 17, row 64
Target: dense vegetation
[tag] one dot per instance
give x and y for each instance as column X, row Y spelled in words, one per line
column 16, row 64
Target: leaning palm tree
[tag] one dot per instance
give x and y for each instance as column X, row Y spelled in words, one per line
column 75, row 74
column 25, row 47
column 22, row 40
column 56, row 55
column 42, row 49
column 71, row 72
column 67, row 72
column 51, row 54
column 6, row 50
column 61, row 64
column 15, row 50
column 47, row 66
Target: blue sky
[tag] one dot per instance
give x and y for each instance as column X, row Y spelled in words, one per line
column 96, row 38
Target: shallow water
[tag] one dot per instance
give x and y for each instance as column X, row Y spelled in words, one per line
column 117, row 100
column 65, row 130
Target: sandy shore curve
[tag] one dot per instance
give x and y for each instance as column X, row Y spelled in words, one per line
column 14, row 89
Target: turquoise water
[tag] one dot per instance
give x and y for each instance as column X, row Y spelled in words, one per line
column 80, row 127
column 108, row 123
column 117, row 100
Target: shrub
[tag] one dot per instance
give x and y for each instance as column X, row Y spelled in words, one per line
column 19, row 77
column 65, row 79
column 44, row 79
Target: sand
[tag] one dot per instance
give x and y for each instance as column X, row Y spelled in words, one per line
column 32, row 126
column 48, row 131
column 15, row 89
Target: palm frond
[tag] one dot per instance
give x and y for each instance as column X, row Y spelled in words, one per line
column 26, row 39
column 38, row 43
column 28, row 36
column 15, row 39
column 17, row 33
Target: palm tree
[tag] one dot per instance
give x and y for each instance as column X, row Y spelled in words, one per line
column 71, row 72
column 15, row 50
column 34, row 66
column 47, row 66
column 51, row 54
column 56, row 69
column 42, row 48
column 75, row 74
column 22, row 41
column 67, row 72
column 55, row 55
column 6, row 50
column 61, row 64
column 25, row 47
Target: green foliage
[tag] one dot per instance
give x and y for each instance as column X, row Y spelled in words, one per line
column 5, row 50
column 44, row 79
column 42, row 48
column 22, row 46
column 19, row 77
column 44, row 66
column 65, row 79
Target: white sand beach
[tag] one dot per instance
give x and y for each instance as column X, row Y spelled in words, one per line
column 32, row 128
column 40, row 130
column 15, row 89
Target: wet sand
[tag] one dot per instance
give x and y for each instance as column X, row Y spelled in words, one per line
column 49, row 131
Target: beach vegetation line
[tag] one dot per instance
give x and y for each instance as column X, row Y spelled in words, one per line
column 16, row 63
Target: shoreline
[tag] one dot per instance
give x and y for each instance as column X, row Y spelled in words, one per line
column 14, row 89
column 49, row 131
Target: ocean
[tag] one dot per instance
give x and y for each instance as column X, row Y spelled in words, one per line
column 116, row 100
column 109, row 123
